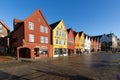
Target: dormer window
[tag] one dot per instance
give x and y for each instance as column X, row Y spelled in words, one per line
column 31, row 26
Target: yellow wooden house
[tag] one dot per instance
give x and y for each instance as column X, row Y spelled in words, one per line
column 77, row 42
column 59, row 38
column 81, row 41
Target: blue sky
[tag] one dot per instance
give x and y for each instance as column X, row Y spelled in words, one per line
column 94, row 17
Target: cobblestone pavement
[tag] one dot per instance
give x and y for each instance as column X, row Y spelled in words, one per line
column 97, row 66
column 4, row 59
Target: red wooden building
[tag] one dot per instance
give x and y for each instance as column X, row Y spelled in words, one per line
column 71, row 41
column 31, row 37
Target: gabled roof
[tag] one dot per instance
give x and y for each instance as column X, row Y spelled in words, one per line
column 87, row 35
column 4, row 25
column 18, row 22
column 68, row 30
column 99, row 36
column 80, row 33
column 38, row 10
column 75, row 33
column 53, row 25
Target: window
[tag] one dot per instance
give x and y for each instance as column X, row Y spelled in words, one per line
column 46, row 39
column 56, row 41
column 59, row 41
column 41, row 28
column 57, row 33
column 31, row 25
column 0, row 26
column 64, row 42
column 62, row 34
column 46, row 30
column 42, row 39
column 2, row 35
column 31, row 38
column 39, row 20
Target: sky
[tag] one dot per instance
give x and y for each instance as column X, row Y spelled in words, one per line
column 94, row 17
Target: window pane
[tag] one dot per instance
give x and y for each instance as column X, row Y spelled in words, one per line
column 31, row 25
column 31, row 38
column 57, row 33
column 41, row 28
column 46, row 39
column 46, row 30
column 42, row 39
column 56, row 41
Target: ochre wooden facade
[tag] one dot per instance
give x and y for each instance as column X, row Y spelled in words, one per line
column 59, row 39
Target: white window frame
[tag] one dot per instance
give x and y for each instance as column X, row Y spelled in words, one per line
column 42, row 28
column 31, row 26
column 46, row 39
column 42, row 39
column 31, row 38
column 46, row 30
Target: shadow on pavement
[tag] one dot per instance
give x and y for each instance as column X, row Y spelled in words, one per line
column 8, row 76
column 70, row 77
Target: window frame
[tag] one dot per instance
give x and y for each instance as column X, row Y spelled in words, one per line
column 31, row 25
column 31, row 38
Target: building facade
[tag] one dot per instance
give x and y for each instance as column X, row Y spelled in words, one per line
column 77, row 43
column 81, row 42
column 87, row 43
column 31, row 37
column 4, row 39
column 59, row 38
column 71, row 41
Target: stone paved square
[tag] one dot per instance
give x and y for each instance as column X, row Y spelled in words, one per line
column 97, row 66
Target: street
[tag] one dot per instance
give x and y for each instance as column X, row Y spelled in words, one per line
column 96, row 66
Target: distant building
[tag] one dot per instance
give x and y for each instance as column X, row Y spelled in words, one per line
column 108, row 41
column 4, row 40
column 71, row 41
column 31, row 37
column 118, row 44
column 77, row 43
column 81, row 41
column 87, row 43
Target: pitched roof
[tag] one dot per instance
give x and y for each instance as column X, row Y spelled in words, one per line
column 80, row 33
column 53, row 25
column 75, row 33
column 68, row 30
column 87, row 35
column 4, row 25
column 17, row 23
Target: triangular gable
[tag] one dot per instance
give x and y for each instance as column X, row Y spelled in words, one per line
column 54, row 25
column 4, row 25
column 70, row 29
column 36, row 12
